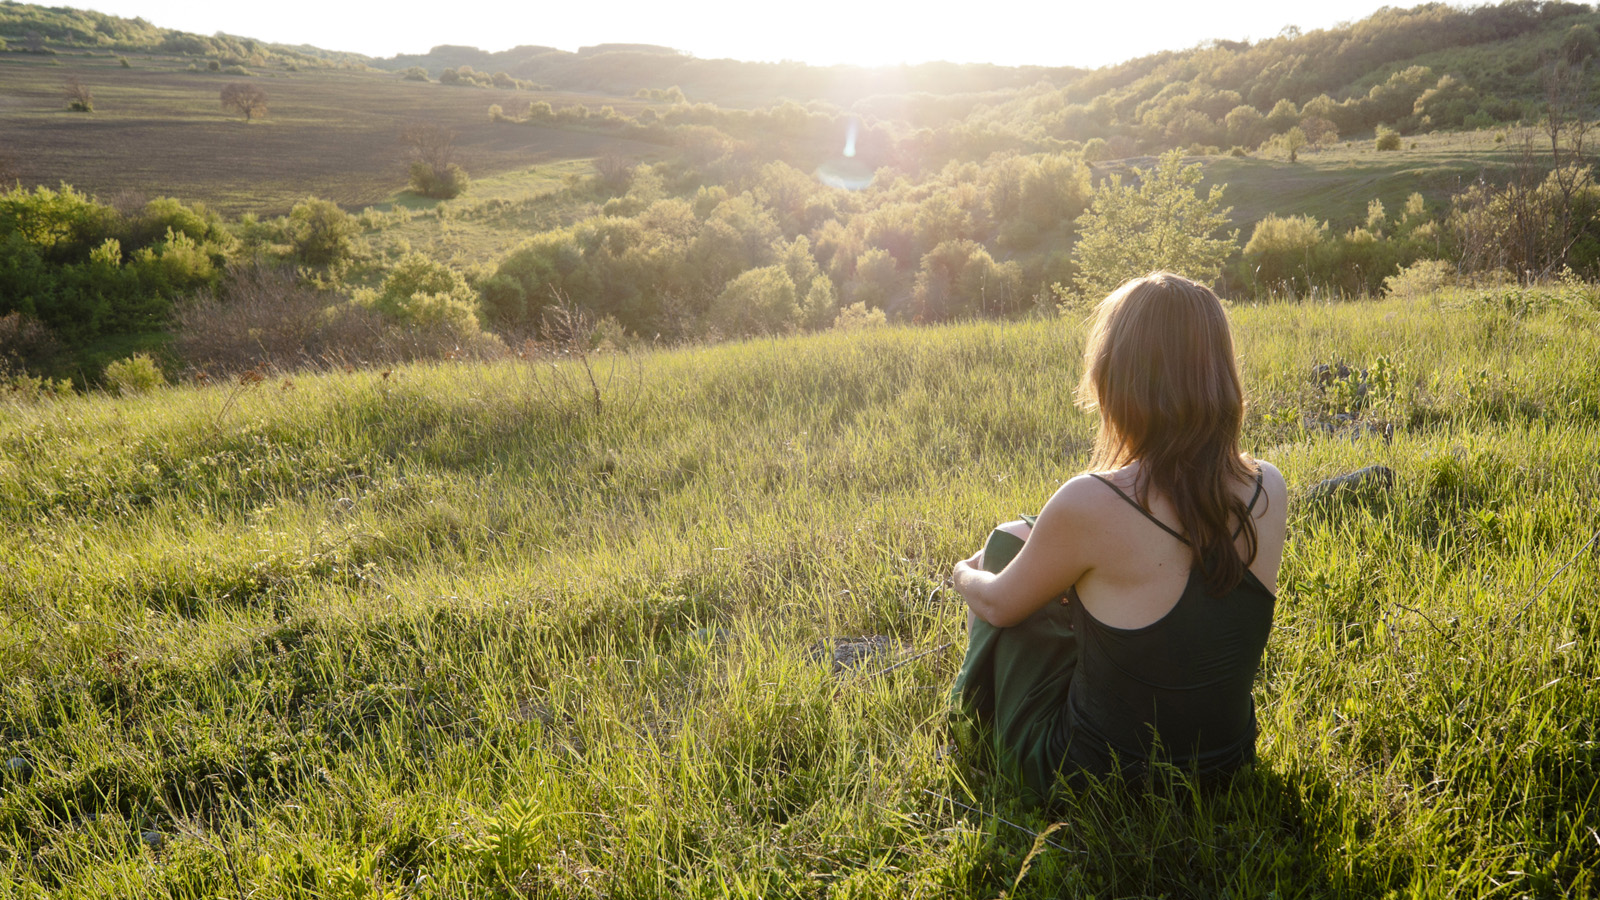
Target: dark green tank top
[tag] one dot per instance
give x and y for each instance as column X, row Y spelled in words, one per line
column 1184, row 680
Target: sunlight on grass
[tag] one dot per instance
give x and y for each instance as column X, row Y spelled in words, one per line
column 445, row 631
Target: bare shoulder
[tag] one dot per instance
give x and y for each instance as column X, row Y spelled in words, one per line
column 1273, row 485
column 1273, row 515
column 1080, row 496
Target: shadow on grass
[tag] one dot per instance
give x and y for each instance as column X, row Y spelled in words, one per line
column 1264, row 832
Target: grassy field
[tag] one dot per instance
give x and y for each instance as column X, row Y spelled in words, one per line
column 454, row 631
column 158, row 129
column 1336, row 184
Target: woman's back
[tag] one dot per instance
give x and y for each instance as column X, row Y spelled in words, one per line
column 1160, row 657
column 1177, row 663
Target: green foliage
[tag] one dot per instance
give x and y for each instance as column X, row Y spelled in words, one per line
column 83, row 269
column 1283, row 252
column 1387, row 139
column 858, row 316
column 1420, row 280
column 415, row 73
column 322, row 234
column 138, row 374
column 421, row 292
column 959, row 278
column 445, row 183
column 758, row 301
column 1162, row 223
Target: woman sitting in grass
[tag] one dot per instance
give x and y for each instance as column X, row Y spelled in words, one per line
column 1130, row 624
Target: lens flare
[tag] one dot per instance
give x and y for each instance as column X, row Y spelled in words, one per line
column 847, row 172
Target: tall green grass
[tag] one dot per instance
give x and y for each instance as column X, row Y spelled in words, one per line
column 450, row 632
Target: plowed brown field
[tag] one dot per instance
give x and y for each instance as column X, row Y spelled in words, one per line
column 159, row 129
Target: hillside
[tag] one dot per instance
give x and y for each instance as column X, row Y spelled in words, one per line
column 609, row 182
column 454, row 630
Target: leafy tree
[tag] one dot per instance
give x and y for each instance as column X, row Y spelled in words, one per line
column 960, row 278
column 1160, row 223
column 760, row 301
column 248, row 100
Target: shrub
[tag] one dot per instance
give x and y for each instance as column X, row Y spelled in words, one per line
column 1283, row 252
column 79, row 99
column 433, row 172
column 1422, row 278
column 258, row 317
column 857, row 317
column 322, row 234
column 422, row 292
column 262, row 317
column 1387, row 139
column 123, row 61
column 213, row 65
column 138, row 374
column 25, row 342
column 415, row 73
column 441, row 184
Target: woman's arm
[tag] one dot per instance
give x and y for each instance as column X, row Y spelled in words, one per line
column 1055, row 556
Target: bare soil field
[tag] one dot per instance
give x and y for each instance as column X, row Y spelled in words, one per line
column 158, row 128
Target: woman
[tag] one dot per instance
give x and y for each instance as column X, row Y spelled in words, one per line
column 1163, row 558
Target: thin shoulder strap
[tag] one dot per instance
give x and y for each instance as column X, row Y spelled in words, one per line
column 1251, row 506
column 1135, row 504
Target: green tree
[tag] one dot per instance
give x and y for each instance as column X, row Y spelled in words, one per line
column 1163, row 222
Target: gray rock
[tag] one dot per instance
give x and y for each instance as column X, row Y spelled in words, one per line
column 1368, row 481
column 851, row 653
column 18, row 767
column 152, row 839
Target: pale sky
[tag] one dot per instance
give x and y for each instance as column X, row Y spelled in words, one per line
column 821, row 32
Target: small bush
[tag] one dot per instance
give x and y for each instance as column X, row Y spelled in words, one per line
column 420, row 291
column 79, row 98
column 213, row 65
column 123, row 61
column 1387, row 139
column 857, row 317
column 1422, row 278
column 321, row 232
column 138, row 374
column 441, row 184
column 236, row 70
column 415, row 73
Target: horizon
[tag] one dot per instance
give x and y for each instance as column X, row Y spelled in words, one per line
column 829, row 32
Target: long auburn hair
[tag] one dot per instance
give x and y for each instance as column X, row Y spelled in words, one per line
column 1159, row 367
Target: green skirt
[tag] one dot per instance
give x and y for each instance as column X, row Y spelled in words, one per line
column 1014, row 681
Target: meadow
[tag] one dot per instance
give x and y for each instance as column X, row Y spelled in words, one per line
column 498, row 629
